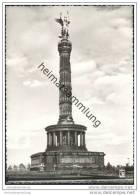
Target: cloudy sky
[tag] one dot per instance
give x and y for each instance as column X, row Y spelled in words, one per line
column 101, row 63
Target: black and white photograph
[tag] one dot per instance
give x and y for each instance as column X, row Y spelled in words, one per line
column 69, row 95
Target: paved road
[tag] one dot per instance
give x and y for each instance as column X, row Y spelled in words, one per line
column 85, row 182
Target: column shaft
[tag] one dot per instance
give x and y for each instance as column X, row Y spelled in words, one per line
column 50, row 139
column 75, row 138
column 65, row 101
column 54, row 140
column 80, row 139
column 68, row 138
column 47, row 140
column 60, row 138
column 84, row 139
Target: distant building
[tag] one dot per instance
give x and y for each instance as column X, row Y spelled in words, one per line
column 122, row 173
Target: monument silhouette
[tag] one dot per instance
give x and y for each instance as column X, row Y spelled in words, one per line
column 66, row 143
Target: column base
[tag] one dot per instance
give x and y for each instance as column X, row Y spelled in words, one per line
column 65, row 120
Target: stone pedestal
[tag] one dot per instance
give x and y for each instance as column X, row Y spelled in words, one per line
column 64, row 151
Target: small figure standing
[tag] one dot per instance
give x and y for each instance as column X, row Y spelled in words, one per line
column 64, row 24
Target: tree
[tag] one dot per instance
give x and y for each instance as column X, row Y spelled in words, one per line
column 22, row 167
column 109, row 166
column 28, row 167
column 15, row 168
column 10, row 168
